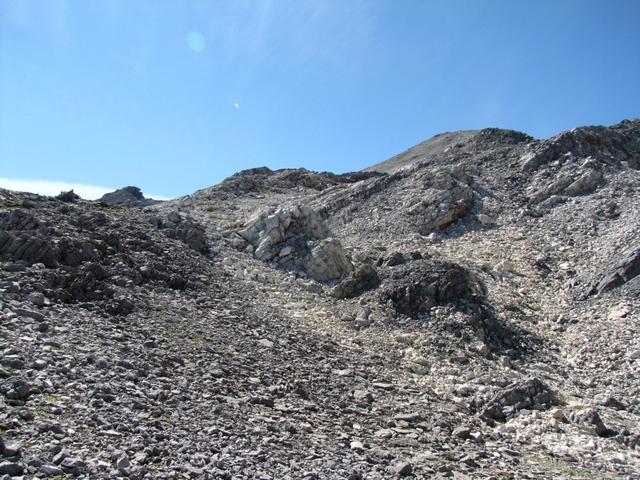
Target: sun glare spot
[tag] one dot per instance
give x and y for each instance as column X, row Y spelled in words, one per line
column 195, row 41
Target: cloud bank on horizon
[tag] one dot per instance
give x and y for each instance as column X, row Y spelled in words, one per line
column 52, row 188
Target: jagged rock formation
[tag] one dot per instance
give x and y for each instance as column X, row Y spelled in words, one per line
column 299, row 238
column 465, row 309
column 127, row 196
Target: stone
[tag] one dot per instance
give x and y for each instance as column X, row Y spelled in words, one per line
column 73, row 466
column 122, row 462
column 266, row 343
column 463, row 433
column 590, row 419
column 485, row 219
column 23, row 312
column 585, row 183
column 617, row 272
column 363, row 396
column 69, row 197
column 327, row 261
column 298, row 239
column 359, row 280
column 447, row 197
column 9, row 449
column 12, row 361
column 16, row 388
column 529, row 394
column 357, row 446
column 127, row 196
column 417, row 286
column 50, row 471
column 37, row 299
column 402, row 469
column 11, row 468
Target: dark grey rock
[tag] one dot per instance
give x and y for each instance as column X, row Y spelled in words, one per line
column 16, row 388
column 415, row 287
column 70, row 197
column 402, row 469
column 531, row 394
column 128, row 197
column 359, row 280
column 12, row 469
column 590, row 419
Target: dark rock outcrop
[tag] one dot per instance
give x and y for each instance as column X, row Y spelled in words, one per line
column 127, row 197
column 415, row 287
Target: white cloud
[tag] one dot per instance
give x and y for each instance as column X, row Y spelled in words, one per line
column 236, row 105
column 156, row 197
column 52, row 188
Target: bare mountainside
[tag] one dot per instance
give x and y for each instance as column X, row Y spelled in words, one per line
column 467, row 309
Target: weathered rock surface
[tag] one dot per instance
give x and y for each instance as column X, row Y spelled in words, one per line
column 415, row 287
column 298, row 239
column 359, row 280
column 618, row 272
column 531, row 394
column 127, row 197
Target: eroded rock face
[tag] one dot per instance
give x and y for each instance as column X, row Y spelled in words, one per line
column 69, row 196
column 296, row 238
column 263, row 179
column 415, row 287
column 610, row 145
column 101, row 349
column 575, row 177
column 327, row 261
column 447, row 197
column 76, row 253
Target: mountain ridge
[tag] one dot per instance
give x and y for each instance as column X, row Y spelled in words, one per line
column 465, row 309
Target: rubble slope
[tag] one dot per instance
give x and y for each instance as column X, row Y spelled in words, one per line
column 467, row 309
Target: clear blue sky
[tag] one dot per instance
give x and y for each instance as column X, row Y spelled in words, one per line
column 173, row 95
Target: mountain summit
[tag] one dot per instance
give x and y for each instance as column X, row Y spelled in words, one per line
column 465, row 309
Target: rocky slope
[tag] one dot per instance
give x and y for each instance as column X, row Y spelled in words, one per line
column 466, row 309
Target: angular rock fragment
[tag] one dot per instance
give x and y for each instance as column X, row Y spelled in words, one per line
column 359, row 280
column 590, row 419
column 530, row 394
column 617, row 273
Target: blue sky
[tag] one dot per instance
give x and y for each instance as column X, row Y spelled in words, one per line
column 173, row 96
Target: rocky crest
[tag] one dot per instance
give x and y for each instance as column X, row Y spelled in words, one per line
column 466, row 309
column 127, row 196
